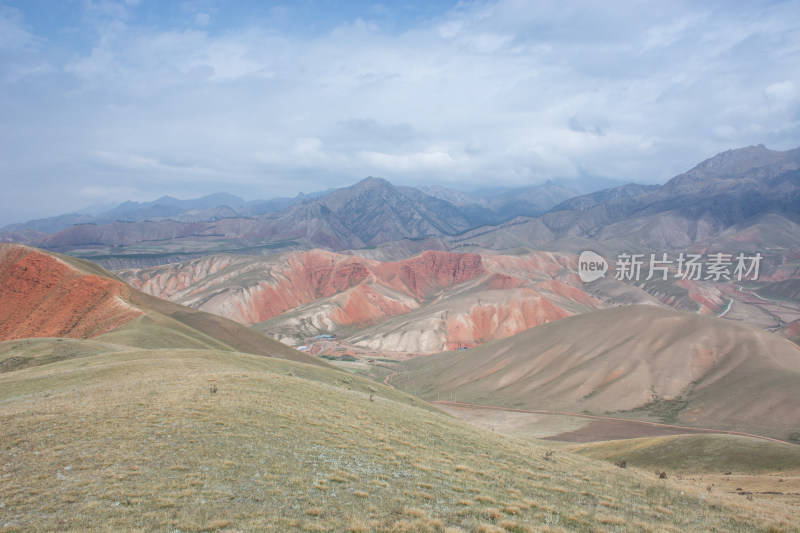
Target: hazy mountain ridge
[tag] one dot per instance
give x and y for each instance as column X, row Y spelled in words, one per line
column 488, row 206
column 731, row 189
column 587, row 201
column 735, row 189
column 204, row 209
column 369, row 213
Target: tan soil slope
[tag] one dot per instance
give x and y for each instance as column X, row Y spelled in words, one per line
column 649, row 362
column 49, row 295
column 43, row 296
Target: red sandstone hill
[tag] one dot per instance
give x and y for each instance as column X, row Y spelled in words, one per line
column 43, row 296
column 427, row 303
column 49, row 295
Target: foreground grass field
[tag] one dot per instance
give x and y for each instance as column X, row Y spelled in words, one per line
column 699, row 453
column 136, row 440
column 749, row 467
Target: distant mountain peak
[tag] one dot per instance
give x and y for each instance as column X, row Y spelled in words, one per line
column 734, row 162
column 734, row 166
column 165, row 200
column 372, row 182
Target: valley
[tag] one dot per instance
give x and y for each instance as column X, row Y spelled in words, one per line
column 368, row 359
column 259, row 436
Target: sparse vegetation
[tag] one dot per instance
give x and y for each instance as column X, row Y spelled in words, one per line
column 285, row 446
column 697, row 453
column 665, row 410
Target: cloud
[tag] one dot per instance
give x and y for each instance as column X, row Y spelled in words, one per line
column 782, row 91
column 403, row 163
column 202, row 19
column 262, row 102
column 13, row 34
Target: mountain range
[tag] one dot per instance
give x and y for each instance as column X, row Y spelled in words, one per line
column 727, row 198
column 371, row 212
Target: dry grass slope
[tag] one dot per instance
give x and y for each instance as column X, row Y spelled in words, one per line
column 698, row 453
column 135, row 440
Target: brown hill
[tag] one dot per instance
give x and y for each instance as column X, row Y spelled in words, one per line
column 791, row 331
column 788, row 289
column 638, row 361
column 49, row 295
column 464, row 319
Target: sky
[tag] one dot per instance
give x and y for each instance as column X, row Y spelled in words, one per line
column 105, row 101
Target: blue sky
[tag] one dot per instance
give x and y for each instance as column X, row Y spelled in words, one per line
column 106, row 101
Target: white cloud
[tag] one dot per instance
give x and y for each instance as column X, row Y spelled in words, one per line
column 508, row 91
column 202, row 19
column 13, row 34
column 783, row 91
column 420, row 162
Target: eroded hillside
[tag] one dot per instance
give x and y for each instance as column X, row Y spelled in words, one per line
column 457, row 299
column 43, row 296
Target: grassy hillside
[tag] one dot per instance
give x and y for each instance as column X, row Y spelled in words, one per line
column 640, row 362
column 136, row 440
column 698, row 453
column 23, row 353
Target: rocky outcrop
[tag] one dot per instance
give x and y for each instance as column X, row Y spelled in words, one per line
column 464, row 320
column 430, row 273
column 499, row 320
